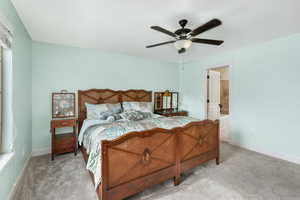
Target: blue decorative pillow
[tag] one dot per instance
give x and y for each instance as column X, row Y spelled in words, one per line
column 104, row 115
column 135, row 115
column 116, row 116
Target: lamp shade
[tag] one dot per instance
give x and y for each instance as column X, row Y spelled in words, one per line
column 182, row 44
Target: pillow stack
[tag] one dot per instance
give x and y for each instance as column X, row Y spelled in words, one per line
column 132, row 111
column 102, row 111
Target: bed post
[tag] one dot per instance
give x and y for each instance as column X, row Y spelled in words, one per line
column 218, row 143
column 177, row 157
column 104, row 171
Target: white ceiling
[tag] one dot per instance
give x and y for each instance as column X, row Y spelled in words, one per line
column 123, row 26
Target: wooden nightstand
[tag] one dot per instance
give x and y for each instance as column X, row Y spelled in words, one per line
column 66, row 142
column 172, row 113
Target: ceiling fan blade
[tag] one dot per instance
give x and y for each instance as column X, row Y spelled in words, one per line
column 159, row 44
column 160, row 29
column 206, row 41
column 209, row 25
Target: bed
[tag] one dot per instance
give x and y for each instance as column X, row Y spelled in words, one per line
column 139, row 159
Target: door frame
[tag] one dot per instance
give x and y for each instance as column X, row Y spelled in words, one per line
column 207, row 87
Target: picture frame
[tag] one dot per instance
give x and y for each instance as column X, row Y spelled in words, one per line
column 166, row 101
column 63, row 104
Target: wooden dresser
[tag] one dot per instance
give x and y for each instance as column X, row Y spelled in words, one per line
column 172, row 113
column 63, row 142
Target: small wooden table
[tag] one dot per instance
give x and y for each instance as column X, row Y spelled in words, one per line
column 65, row 142
column 172, row 113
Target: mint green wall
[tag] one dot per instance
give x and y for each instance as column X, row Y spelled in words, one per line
column 22, row 99
column 58, row 67
column 264, row 101
column 264, row 90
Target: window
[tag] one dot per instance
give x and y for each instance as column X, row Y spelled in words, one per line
column 6, row 125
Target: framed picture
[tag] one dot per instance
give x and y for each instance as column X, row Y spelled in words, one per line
column 63, row 105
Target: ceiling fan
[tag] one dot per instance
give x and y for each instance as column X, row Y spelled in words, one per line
column 184, row 37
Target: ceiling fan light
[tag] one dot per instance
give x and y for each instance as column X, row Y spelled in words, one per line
column 183, row 44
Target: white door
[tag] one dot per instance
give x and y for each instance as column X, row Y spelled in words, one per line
column 213, row 112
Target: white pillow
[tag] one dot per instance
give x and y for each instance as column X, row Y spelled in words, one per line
column 140, row 106
column 101, row 111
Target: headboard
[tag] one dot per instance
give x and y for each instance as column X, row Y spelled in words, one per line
column 99, row 96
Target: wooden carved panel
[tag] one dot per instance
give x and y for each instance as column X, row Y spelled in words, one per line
column 138, row 156
column 198, row 140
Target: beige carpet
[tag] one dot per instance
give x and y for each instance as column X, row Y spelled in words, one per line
column 241, row 175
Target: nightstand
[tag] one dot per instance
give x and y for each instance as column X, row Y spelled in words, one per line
column 65, row 142
column 172, row 113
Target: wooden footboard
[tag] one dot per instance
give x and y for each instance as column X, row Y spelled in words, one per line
column 139, row 160
column 199, row 143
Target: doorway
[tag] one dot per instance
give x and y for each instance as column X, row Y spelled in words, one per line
column 218, row 92
column 218, row 97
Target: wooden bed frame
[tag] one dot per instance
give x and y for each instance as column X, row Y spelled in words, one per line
column 138, row 160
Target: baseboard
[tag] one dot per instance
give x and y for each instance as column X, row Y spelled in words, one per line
column 268, row 153
column 17, row 185
column 40, row 152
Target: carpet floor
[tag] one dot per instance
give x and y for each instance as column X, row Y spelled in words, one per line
column 241, row 175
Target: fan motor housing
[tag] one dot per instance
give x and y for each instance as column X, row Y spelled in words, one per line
column 183, row 31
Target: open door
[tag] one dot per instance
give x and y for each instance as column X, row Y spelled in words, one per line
column 213, row 101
